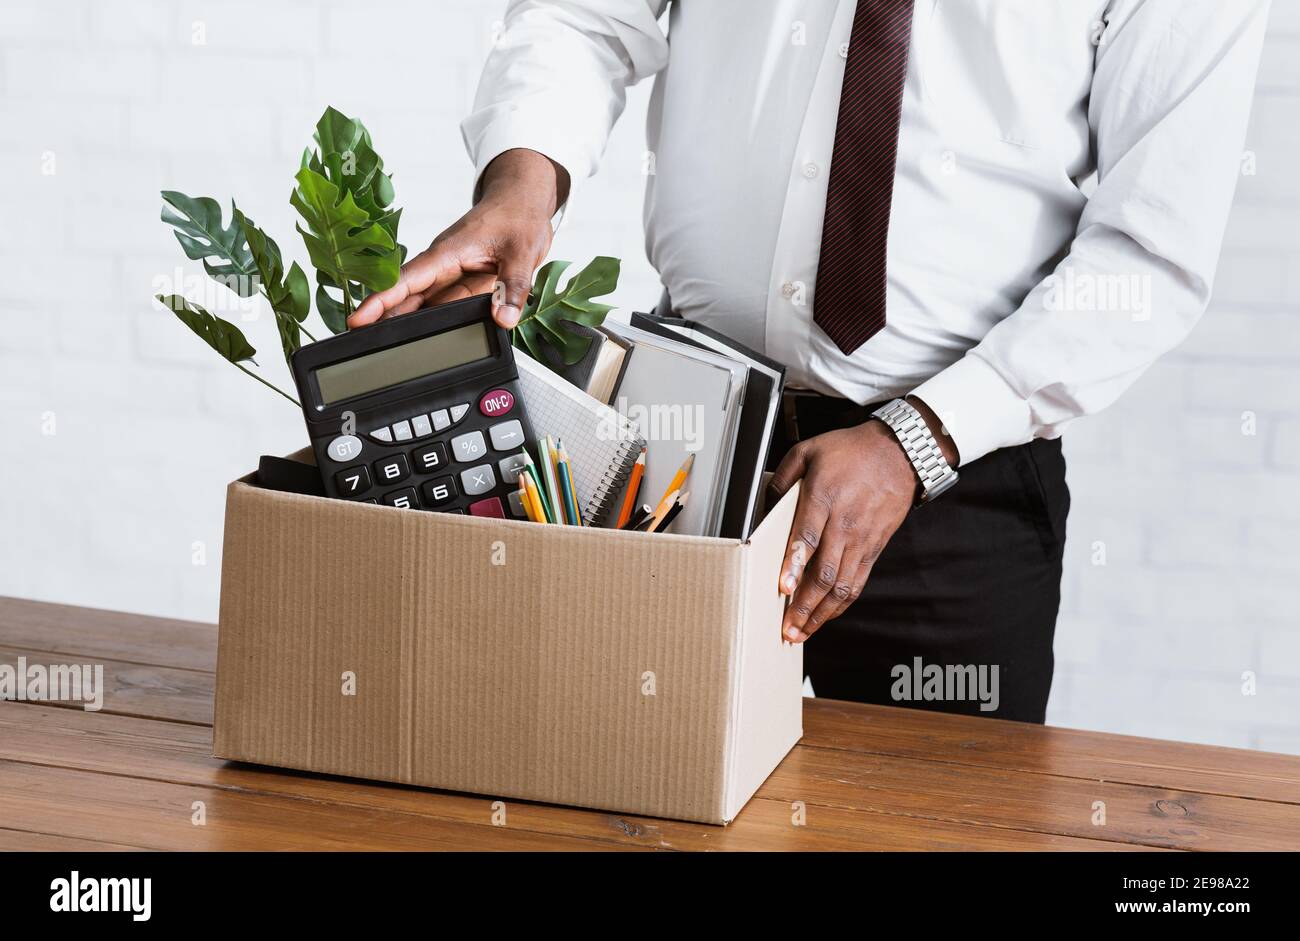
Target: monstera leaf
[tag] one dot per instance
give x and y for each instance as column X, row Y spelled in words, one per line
column 345, row 246
column 222, row 335
column 200, row 231
column 347, row 158
column 542, row 321
column 289, row 295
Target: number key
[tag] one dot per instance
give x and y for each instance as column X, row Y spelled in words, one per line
column 391, row 469
column 352, row 481
column 429, row 458
column 404, row 499
column 438, row 491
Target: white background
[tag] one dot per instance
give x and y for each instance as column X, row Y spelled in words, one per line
column 121, row 430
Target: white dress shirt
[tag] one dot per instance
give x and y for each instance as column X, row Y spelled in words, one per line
column 1065, row 172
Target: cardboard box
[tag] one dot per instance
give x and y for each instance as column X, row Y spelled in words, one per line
column 631, row 673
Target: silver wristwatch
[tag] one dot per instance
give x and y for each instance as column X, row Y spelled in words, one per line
column 933, row 469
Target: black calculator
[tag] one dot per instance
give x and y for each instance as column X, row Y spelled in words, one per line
column 419, row 412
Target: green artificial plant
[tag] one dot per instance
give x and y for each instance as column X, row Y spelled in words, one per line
column 344, row 199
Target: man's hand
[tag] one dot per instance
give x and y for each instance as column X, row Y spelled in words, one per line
column 501, row 240
column 858, row 486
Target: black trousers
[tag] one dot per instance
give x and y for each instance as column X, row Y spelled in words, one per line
column 972, row 580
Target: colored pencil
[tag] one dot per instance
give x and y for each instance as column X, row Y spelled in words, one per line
column 535, row 495
column 527, row 503
column 548, row 514
column 632, row 492
column 566, row 483
column 554, row 499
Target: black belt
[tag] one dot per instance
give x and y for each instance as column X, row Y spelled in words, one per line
column 806, row 414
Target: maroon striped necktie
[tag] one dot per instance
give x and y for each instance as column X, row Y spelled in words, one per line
column 849, row 300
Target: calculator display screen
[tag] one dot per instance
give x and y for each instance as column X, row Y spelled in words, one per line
column 401, row 363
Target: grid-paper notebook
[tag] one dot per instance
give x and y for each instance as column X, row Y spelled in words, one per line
column 602, row 444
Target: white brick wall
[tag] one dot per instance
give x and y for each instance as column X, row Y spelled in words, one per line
column 1200, row 524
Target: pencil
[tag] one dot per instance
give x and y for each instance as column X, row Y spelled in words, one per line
column 534, row 494
column 679, row 478
column 632, row 492
column 527, row 503
column 662, row 510
column 548, row 515
column 566, row 483
column 672, row 514
column 577, row 500
column 550, row 480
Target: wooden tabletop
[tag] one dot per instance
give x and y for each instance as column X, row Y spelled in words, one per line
column 135, row 775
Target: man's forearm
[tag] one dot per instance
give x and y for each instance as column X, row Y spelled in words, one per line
column 525, row 174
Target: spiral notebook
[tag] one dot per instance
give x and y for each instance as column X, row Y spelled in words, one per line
column 602, row 444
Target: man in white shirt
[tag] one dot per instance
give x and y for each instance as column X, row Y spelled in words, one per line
column 988, row 216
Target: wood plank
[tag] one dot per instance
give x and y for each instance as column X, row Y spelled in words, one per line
column 102, row 807
column 107, row 635
column 181, row 755
column 1042, row 802
column 1017, row 746
column 22, row 841
column 135, row 689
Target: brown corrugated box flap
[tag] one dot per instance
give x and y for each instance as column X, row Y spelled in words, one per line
column 768, row 717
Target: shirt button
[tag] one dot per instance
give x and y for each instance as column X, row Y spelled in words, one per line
column 810, row 170
column 844, row 50
column 787, row 289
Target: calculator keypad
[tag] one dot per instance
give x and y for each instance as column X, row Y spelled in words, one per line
column 436, row 469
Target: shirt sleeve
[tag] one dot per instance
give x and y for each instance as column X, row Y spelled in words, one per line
column 1171, row 95
column 556, row 79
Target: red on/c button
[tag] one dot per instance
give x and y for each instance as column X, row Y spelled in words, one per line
column 497, row 402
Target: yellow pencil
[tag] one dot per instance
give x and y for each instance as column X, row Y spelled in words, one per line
column 526, row 502
column 679, row 478
column 534, row 494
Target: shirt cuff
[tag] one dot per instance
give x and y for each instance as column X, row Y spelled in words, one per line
column 518, row 130
column 979, row 410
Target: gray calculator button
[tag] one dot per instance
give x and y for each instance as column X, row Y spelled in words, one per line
column 383, row 434
column 511, row 466
column 516, row 504
column 468, row 447
column 458, row 411
column 402, row 431
column 507, row 436
column 441, row 419
column 477, row 479
column 344, row 448
column 420, row 425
